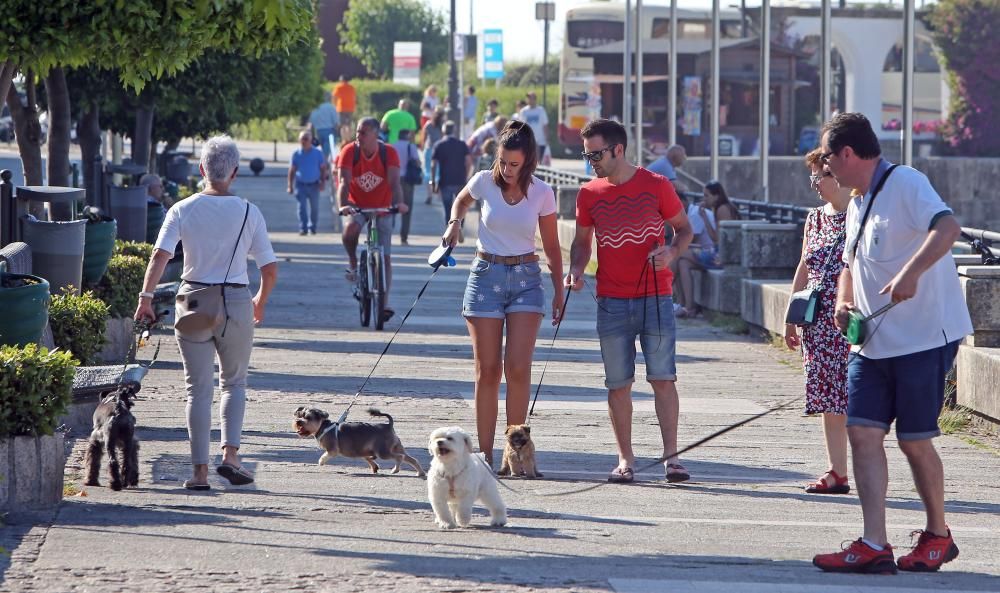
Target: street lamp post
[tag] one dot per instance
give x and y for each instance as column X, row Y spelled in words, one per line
column 453, row 114
column 545, row 11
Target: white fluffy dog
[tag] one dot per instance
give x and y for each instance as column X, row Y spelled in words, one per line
column 457, row 478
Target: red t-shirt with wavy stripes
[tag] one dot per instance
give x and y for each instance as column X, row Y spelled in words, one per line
column 629, row 220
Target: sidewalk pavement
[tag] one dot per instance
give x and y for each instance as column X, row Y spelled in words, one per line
column 741, row 524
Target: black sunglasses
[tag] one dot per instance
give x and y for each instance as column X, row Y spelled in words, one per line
column 825, row 157
column 597, row 154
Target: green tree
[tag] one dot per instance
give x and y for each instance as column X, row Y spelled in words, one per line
column 371, row 26
column 964, row 32
column 141, row 39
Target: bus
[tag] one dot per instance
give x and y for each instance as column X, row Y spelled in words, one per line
column 601, row 23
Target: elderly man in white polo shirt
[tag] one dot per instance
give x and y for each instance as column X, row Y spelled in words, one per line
column 899, row 234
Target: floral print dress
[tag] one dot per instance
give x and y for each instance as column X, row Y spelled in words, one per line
column 824, row 349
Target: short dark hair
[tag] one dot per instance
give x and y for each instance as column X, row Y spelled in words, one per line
column 404, row 134
column 854, row 130
column 371, row 123
column 612, row 131
column 517, row 135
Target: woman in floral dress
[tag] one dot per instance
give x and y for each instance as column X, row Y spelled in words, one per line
column 824, row 349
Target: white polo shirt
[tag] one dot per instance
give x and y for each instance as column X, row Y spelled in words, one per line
column 900, row 220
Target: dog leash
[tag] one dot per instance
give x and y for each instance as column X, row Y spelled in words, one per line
column 552, row 345
column 690, row 447
column 442, row 261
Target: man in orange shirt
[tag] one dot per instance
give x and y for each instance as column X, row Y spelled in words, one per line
column 345, row 98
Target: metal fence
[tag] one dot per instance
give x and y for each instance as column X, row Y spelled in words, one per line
column 749, row 209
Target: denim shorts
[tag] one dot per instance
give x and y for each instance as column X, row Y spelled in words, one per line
column 619, row 321
column 908, row 389
column 494, row 290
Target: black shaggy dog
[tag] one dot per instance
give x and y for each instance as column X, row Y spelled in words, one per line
column 114, row 429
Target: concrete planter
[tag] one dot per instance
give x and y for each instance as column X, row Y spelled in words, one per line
column 31, row 472
column 57, row 252
column 118, row 338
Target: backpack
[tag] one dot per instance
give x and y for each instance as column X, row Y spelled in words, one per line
column 381, row 155
column 414, row 174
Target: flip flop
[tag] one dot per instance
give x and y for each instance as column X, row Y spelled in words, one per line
column 351, row 275
column 677, row 473
column 237, row 476
column 193, row 486
column 621, row 475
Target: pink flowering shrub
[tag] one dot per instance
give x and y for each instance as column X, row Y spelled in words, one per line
column 965, row 34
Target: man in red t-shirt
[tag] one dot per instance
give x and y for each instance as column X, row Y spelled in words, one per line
column 369, row 180
column 628, row 208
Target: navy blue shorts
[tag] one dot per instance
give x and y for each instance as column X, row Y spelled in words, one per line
column 908, row 389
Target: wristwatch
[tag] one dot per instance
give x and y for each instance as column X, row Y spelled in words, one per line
column 145, row 295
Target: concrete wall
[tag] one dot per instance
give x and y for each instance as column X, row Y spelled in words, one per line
column 762, row 271
column 31, row 472
column 967, row 185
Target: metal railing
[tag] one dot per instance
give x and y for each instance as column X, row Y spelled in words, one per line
column 749, row 209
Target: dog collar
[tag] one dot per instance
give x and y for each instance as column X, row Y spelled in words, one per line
column 326, row 430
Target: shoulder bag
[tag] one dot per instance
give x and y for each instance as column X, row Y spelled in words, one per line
column 803, row 305
column 202, row 306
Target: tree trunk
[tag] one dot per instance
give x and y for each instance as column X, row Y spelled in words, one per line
column 59, row 131
column 28, row 132
column 142, row 137
column 7, row 70
column 88, row 132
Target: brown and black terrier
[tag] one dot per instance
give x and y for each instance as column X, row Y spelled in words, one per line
column 354, row 439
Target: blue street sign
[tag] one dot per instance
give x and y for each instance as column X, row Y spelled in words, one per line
column 491, row 56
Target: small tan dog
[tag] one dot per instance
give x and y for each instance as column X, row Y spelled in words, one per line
column 353, row 439
column 519, row 453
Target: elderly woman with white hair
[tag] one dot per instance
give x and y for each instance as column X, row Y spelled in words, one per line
column 219, row 230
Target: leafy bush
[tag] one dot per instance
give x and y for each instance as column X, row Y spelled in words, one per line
column 122, row 283
column 143, row 251
column 78, row 324
column 36, row 386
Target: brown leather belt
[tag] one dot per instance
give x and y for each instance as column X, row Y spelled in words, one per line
column 507, row 260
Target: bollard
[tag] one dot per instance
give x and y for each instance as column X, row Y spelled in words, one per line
column 8, row 209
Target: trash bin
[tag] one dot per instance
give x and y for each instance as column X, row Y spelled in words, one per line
column 178, row 169
column 98, row 247
column 24, row 299
column 56, row 251
column 155, row 214
column 127, row 205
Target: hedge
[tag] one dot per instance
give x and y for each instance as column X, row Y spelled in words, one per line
column 36, row 387
column 78, row 323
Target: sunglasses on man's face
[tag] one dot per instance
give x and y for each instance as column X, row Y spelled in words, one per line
column 597, row 155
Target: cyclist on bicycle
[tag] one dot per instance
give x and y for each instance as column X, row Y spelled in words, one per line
column 369, row 178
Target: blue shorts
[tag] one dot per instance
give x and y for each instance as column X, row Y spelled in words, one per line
column 494, row 290
column 708, row 258
column 908, row 389
column 619, row 321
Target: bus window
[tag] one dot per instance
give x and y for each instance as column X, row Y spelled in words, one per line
column 587, row 34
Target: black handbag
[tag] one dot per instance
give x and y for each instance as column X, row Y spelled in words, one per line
column 414, row 174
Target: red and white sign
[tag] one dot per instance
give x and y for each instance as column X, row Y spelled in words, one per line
column 406, row 62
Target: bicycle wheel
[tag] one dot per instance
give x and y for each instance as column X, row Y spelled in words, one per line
column 378, row 290
column 364, row 298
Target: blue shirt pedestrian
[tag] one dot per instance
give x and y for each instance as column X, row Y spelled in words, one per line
column 308, row 165
column 663, row 166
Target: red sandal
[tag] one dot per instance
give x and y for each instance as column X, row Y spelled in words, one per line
column 820, row 486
